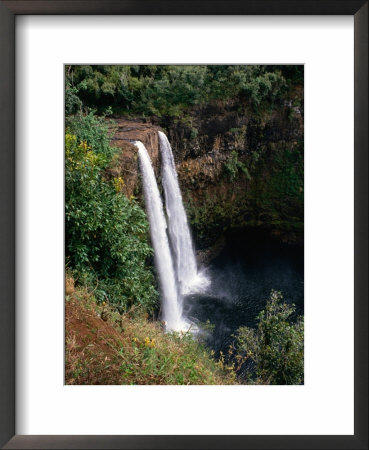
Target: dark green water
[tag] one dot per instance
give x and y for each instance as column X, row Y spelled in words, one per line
column 243, row 275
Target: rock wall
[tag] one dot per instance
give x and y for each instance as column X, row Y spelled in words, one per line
column 125, row 163
column 242, row 169
column 237, row 168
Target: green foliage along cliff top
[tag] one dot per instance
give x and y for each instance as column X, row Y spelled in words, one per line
column 162, row 90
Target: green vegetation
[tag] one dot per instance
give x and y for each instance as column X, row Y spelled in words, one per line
column 106, row 234
column 264, row 188
column 287, row 181
column 227, row 108
column 105, row 347
column 173, row 90
column 233, row 165
column 277, row 192
column 240, row 128
column 276, row 346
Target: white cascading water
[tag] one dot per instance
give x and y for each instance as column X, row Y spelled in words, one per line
column 171, row 297
column 189, row 278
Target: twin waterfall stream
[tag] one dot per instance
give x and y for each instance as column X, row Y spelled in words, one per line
column 170, row 236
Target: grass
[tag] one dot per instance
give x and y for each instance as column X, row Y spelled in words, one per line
column 104, row 347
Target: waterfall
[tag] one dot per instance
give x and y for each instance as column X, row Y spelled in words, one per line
column 171, row 297
column 184, row 255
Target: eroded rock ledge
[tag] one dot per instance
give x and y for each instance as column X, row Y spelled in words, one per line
column 239, row 171
column 125, row 163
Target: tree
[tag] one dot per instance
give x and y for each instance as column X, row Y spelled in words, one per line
column 107, row 245
column 276, row 346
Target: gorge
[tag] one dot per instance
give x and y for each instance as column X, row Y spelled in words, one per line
column 243, row 273
column 220, row 206
column 215, row 155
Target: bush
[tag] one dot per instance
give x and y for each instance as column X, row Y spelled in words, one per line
column 169, row 91
column 106, row 234
column 233, row 166
column 276, row 347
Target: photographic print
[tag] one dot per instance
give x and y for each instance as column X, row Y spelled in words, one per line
column 184, row 224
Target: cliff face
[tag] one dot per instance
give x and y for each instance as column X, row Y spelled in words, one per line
column 236, row 168
column 125, row 164
column 242, row 169
column 234, row 126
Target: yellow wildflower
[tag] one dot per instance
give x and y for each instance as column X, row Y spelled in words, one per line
column 118, row 184
column 149, row 342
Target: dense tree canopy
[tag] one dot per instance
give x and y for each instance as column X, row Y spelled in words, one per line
column 169, row 90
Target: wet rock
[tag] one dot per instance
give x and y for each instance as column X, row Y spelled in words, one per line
column 125, row 163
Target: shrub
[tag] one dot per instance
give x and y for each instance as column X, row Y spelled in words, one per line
column 170, row 90
column 276, row 346
column 106, row 233
column 233, row 166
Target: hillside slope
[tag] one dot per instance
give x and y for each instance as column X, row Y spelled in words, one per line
column 106, row 348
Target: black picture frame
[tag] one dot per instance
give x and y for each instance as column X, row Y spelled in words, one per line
column 8, row 12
